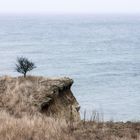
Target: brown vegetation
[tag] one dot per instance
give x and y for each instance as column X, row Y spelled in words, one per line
column 34, row 127
column 24, row 113
column 31, row 95
column 40, row 127
column 91, row 130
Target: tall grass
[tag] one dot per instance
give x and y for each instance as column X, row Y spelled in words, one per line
column 20, row 120
column 32, row 128
column 40, row 127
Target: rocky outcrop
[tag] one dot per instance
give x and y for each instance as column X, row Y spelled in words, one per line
column 31, row 95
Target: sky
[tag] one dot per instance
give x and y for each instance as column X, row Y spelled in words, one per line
column 70, row 6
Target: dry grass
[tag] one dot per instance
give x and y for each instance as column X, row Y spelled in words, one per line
column 32, row 128
column 21, row 120
column 107, row 131
column 40, row 127
column 20, row 96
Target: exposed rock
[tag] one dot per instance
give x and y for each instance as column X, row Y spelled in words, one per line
column 30, row 95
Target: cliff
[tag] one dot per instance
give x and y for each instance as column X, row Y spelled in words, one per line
column 38, row 95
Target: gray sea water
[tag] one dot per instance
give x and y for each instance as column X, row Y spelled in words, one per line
column 101, row 54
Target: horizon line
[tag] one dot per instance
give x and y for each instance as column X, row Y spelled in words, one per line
column 69, row 13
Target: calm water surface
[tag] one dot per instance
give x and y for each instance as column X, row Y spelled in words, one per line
column 101, row 53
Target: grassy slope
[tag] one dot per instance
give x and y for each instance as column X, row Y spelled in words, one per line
column 36, row 126
column 39, row 127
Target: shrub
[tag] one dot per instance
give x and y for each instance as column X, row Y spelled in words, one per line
column 24, row 65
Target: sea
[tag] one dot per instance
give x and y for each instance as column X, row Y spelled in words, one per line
column 100, row 52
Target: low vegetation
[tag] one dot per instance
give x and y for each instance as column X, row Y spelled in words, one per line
column 38, row 127
column 34, row 127
column 21, row 120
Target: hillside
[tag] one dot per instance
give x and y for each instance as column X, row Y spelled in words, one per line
column 39, row 108
column 32, row 95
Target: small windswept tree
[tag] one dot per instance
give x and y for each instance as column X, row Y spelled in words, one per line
column 24, row 65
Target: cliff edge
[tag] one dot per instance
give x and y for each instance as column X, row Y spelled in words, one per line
column 32, row 95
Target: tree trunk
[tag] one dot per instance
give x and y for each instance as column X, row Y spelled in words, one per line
column 24, row 75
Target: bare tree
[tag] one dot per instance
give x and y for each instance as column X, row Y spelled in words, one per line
column 24, row 65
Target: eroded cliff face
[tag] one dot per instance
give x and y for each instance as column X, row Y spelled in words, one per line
column 31, row 95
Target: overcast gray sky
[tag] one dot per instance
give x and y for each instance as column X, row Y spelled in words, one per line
column 70, row 6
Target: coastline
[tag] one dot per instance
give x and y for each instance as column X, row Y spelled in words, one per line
column 21, row 119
